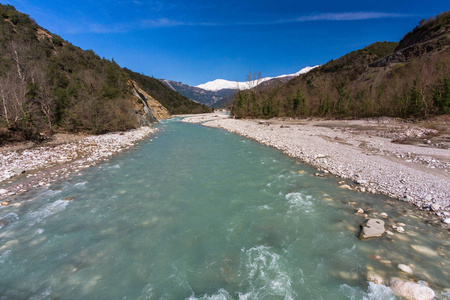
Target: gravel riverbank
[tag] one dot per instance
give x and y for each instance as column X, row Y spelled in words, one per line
column 362, row 151
column 25, row 166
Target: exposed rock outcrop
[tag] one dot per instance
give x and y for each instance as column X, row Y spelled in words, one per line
column 149, row 109
column 430, row 35
column 405, row 54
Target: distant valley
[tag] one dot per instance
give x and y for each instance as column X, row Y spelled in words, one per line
column 219, row 93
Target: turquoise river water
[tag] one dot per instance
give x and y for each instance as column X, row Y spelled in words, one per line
column 200, row 213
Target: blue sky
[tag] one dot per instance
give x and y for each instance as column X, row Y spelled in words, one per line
column 198, row 40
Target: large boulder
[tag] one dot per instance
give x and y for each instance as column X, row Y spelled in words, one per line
column 371, row 229
column 411, row 291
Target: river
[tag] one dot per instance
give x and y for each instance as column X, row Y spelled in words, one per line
column 200, row 213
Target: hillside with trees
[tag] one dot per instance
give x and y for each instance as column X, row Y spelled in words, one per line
column 172, row 100
column 409, row 79
column 48, row 85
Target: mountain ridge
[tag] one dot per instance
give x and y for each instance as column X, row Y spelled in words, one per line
column 220, row 84
column 219, row 96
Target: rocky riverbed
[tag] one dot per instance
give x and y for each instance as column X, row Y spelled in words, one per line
column 27, row 165
column 388, row 156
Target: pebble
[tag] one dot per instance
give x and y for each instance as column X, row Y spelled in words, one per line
column 425, row 250
column 398, row 229
column 405, row 268
column 345, row 186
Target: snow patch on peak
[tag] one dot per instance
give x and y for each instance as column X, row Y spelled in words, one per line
column 221, row 84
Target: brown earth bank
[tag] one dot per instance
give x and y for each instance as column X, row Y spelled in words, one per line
column 27, row 165
column 409, row 161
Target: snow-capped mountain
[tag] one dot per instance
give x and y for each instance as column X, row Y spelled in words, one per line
column 221, row 84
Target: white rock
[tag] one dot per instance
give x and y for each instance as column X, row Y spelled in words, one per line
column 446, row 221
column 405, row 268
column 412, row 291
column 398, row 228
column 372, row 228
column 3, row 191
column 424, row 250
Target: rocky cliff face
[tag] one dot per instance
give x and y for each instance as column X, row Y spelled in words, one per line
column 148, row 109
column 430, row 36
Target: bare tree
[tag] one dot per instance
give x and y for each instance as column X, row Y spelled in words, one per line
column 253, row 80
column 12, row 92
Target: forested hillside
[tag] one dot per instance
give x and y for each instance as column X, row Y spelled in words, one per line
column 172, row 100
column 48, row 85
column 406, row 79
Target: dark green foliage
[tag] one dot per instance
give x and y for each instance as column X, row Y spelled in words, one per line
column 57, row 41
column 173, row 101
column 299, row 104
column 32, row 91
column 441, row 96
column 414, row 101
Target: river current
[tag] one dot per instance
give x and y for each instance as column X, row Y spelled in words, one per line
column 200, row 213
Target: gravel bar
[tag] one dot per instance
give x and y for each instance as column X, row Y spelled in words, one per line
column 23, row 168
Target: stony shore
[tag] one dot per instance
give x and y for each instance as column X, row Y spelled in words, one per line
column 368, row 152
column 25, row 166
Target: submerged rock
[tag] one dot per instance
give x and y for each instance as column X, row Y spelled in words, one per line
column 425, row 250
column 371, row 229
column 374, row 277
column 399, row 229
column 405, row 268
column 360, row 211
column 412, row 291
